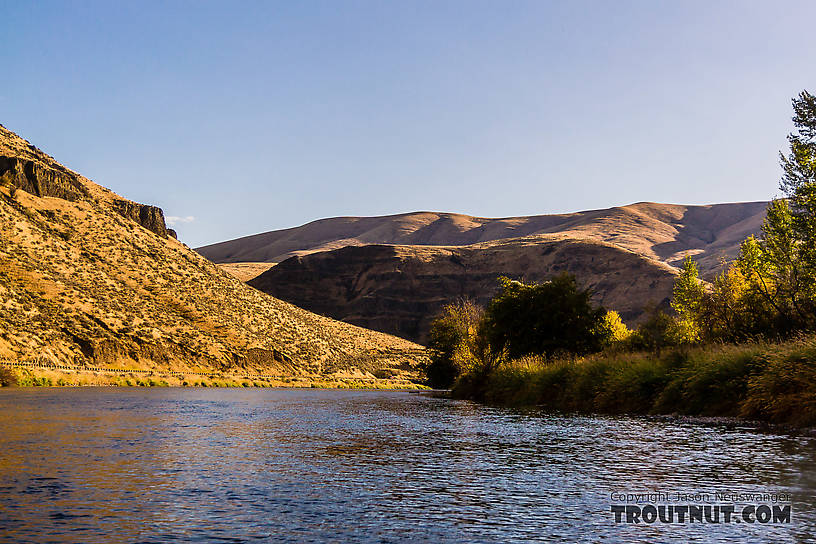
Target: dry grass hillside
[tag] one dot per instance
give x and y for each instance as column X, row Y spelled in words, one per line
column 406, row 267
column 90, row 278
column 663, row 232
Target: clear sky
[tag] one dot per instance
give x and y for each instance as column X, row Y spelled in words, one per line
column 243, row 117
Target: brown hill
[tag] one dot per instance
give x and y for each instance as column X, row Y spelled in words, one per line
column 627, row 255
column 663, row 232
column 88, row 277
column 399, row 289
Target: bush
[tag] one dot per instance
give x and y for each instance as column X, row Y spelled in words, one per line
column 454, row 343
column 769, row 382
column 654, row 334
column 542, row 319
column 8, row 378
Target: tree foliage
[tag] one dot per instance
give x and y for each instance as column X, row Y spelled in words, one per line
column 687, row 301
column 543, row 318
column 771, row 289
column 612, row 330
column 454, row 343
column 799, row 179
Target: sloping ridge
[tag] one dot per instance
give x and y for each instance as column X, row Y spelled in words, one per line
column 399, row 289
column 663, row 232
column 88, row 277
column 394, row 273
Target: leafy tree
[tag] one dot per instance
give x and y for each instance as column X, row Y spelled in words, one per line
column 772, row 289
column 799, row 178
column 542, row 319
column 655, row 333
column 612, row 329
column 687, row 300
column 731, row 311
column 453, row 341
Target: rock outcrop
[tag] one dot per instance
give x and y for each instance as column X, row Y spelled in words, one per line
column 39, row 179
column 25, row 167
column 150, row 217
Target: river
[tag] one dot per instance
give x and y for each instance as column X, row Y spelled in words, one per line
column 233, row 465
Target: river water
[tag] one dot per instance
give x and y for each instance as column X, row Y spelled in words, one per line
column 232, row 465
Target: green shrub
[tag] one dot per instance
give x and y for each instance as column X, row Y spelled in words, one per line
column 771, row 382
column 543, row 319
column 453, row 342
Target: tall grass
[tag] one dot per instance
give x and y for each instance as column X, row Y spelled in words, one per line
column 764, row 381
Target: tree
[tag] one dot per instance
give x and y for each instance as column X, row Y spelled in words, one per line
column 453, row 342
column 726, row 313
column 656, row 332
column 612, row 329
column 799, row 177
column 687, row 301
column 542, row 319
column 777, row 273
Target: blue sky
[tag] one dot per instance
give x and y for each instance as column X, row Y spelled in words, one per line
column 243, row 117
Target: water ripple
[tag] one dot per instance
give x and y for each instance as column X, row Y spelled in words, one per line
column 197, row 465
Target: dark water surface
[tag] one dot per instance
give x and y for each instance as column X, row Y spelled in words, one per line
column 226, row 465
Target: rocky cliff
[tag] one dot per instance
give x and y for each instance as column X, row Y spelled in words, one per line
column 40, row 179
column 399, row 289
column 150, row 217
column 90, row 278
column 25, row 167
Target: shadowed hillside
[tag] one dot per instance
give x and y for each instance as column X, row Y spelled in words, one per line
column 88, row 277
column 399, row 289
column 406, row 267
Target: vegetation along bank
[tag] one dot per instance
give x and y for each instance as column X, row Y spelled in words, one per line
column 742, row 344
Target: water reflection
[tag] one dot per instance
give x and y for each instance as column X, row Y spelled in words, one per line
column 300, row 465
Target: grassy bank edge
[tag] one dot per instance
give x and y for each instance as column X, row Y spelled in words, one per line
column 32, row 377
column 763, row 381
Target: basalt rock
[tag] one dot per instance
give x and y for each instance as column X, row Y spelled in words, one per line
column 43, row 177
column 40, row 180
column 150, row 217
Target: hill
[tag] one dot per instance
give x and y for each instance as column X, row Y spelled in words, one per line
column 393, row 273
column 90, row 278
column 662, row 232
column 399, row 289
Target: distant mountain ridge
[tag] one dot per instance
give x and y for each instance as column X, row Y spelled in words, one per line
column 394, row 273
column 400, row 289
column 663, row 232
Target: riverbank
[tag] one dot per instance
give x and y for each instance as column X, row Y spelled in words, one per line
column 772, row 382
column 44, row 376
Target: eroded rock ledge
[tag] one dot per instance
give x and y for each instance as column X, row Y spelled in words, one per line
column 46, row 181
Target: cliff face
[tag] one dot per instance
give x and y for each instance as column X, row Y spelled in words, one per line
column 150, row 217
column 40, row 180
column 399, row 289
column 88, row 277
column 24, row 167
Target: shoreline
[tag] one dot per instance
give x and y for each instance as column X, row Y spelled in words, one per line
column 45, row 375
column 759, row 381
